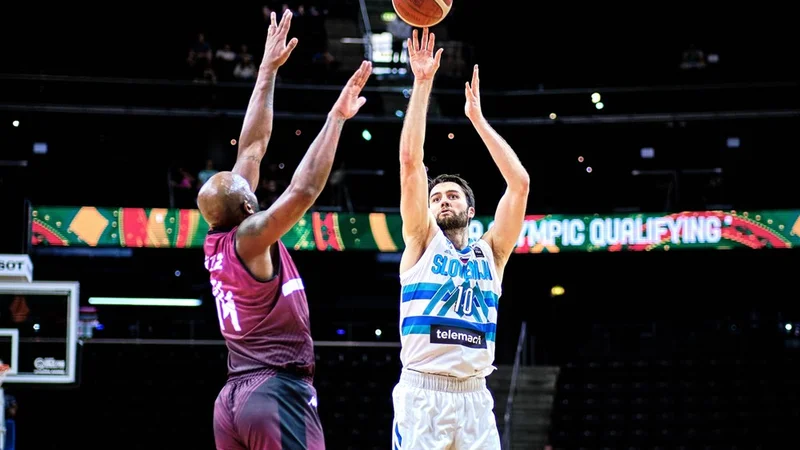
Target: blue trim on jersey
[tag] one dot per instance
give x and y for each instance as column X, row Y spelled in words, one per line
column 426, row 291
column 397, row 433
column 419, row 291
column 490, row 298
column 448, row 304
column 426, row 321
column 479, row 306
column 416, row 329
column 446, row 289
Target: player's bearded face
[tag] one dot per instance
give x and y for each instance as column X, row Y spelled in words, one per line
column 449, row 206
column 452, row 220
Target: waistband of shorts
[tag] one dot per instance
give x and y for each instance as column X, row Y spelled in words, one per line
column 267, row 372
column 441, row 383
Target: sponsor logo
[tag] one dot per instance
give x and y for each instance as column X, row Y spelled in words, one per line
column 49, row 366
column 458, row 336
column 478, row 252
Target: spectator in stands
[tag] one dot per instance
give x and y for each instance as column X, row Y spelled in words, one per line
column 271, row 187
column 245, row 69
column 244, row 53
column 206, row 173
column 209, row 63
column 224, row 62
column 317, row 38
column 200, row 57
column 185, row 180
column 401, row 32
column 693, row 58
column 267, row 192
column 183, row 189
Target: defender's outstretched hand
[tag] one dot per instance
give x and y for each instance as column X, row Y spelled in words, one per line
column 276, row 50
column 349, row 101
column 420, row 55
column 472, row 108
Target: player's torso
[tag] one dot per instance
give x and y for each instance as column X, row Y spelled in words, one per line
column 263, row 321
column 448, row 310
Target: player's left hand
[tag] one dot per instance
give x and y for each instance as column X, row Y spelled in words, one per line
column 472, row 108
column 350, row 100
column 276, row 50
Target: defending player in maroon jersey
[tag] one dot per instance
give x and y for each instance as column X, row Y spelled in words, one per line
column 269, row 401
column 265, row 322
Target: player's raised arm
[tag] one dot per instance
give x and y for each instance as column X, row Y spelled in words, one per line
column 257, row 126
column 417, row 221
column 263, row 229
column 510, row 215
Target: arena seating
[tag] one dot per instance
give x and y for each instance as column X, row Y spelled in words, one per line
column 355, row 393
column 716, row 392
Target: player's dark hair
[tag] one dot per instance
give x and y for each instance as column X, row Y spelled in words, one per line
column 462, row 183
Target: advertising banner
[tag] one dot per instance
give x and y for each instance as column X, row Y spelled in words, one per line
column 185, row 228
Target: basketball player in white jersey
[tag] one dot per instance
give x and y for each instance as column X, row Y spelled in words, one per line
column 450, row 286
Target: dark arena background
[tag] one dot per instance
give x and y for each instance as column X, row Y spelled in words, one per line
column 651, row 302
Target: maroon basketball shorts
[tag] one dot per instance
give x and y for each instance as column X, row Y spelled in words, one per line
column 267, row 412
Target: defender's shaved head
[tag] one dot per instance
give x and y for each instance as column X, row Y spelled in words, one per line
column 225, row 200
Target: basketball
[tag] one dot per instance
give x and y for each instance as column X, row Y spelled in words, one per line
column 422, row 13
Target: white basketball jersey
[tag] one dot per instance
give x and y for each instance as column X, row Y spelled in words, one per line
column 448, row 310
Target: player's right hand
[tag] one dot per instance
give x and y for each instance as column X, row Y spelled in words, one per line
column 349, row 101
column 276, row 50
column 420, row 55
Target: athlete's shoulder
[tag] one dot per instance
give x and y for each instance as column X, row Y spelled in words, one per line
column 220, row 245
column 481, row 248
column 437, row 245
column 484, row 245
column 216, row 238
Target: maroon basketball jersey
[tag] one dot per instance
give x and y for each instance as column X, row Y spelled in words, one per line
column 265, row 323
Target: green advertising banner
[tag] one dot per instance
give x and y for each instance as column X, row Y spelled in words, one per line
column 185, row 228
column 646, row 232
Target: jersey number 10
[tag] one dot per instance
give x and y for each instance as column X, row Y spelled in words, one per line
column 463, row 304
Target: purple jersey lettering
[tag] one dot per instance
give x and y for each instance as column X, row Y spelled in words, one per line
column 265, row 323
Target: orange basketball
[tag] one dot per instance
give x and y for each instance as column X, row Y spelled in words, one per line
column 422, row 13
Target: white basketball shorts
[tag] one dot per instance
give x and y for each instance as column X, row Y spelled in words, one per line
column 434, row 412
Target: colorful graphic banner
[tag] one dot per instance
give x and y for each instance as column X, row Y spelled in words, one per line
column 720, row 230
column 185, row 228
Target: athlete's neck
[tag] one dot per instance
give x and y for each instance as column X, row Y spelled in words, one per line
column 459, row 237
